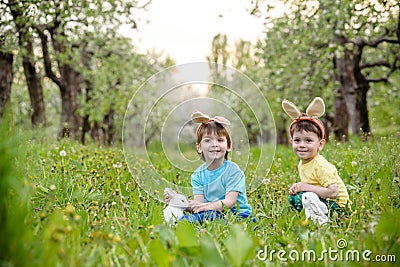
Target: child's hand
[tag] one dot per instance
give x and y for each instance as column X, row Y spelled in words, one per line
column 296, row 187
column 195, row 206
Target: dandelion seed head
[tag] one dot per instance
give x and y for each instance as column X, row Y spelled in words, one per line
column 63, row 153
column 117, row 165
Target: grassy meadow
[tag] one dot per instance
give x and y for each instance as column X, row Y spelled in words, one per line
column 83, row 208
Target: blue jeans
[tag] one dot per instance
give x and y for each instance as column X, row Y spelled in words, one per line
column 211, row 215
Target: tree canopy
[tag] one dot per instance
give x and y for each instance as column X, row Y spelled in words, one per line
column 72, row 54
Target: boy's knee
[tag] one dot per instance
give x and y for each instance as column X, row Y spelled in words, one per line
column 295, row 201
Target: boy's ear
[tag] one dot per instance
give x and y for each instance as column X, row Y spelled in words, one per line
column 198, row 148
column 229, row 149
column 322, row 142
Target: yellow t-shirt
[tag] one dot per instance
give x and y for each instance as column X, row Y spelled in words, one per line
column 320, row 172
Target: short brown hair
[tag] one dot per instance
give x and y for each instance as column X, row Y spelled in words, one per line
column 306, row 125
column 213, row 127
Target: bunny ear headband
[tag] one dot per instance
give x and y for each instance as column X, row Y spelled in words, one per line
column 203, row 119
column 314, row 110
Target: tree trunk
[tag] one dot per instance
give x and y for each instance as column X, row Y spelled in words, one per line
column 352, row 94
column 104, row 133
column 86, row 123
column 34, row 84
column 348, row 90
column 341, row 118
column 362, row 90
column 282, row 137
column 32, row 77
column 97, row 133
column 108, row 122
column 71, row 121
column 6, row 76
column 69, row 83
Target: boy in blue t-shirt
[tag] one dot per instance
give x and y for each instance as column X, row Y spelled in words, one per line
column 218, row 184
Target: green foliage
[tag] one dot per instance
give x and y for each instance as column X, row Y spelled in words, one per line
column 83, row 208
column 238, row 255
column 16, row 238
column 294, row 59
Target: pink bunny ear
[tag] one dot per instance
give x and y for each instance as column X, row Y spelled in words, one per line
column 199, row 117
column 291, row 109
column 316, row 108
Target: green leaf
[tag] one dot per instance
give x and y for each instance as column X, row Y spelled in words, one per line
column 388, row 232
column 158, row 253
column 186, row 234
column 209, row 255
column 239, row 246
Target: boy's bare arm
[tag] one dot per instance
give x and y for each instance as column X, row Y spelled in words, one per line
column 229, row 201
column 323, row 192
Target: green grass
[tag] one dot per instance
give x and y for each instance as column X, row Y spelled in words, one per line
column 85, row 209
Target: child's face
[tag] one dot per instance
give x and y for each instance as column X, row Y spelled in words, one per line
column 213, row 148
column 306, row 145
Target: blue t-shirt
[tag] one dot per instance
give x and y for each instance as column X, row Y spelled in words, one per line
column 213, row 185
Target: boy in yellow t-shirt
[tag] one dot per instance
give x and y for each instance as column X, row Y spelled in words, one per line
column 316, row 173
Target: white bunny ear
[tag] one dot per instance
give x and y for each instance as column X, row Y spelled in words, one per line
column 313, row 206
column 291, row 109
column 323, row 207
column 170, row 192
column 199, row 117
column 316, row 108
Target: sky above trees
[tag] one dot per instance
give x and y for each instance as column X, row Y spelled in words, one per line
column 186, row 31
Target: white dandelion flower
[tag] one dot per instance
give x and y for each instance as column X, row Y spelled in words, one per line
column 117, row 165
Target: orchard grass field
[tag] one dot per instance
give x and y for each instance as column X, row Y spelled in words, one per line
column 83, row 208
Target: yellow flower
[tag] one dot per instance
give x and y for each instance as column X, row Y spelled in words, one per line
column 117, row 239
column 69, row 210
column 305, row 223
